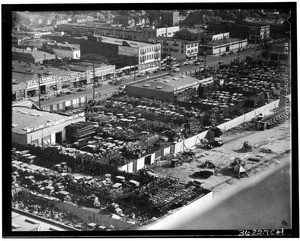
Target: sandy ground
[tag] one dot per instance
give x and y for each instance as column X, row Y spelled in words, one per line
column 262, row 201
column 277, row 139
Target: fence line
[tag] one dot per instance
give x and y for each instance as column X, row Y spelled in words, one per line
column 195, row 140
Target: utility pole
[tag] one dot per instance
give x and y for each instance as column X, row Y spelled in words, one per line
column 134, row 73
column 255, row 43
column 199, row 51
column 93, row 81
column 40, row 77
column 204, row 57
column 170, row 61
column 130, row 67
column 239, row 50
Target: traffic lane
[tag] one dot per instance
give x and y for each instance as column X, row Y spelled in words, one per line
column 108, row 88
column 213, row 60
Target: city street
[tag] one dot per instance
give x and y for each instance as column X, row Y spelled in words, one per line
column 107, row 89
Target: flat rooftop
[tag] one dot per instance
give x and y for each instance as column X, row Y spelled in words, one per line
column 176, row 40
column 24, row 222
column 22, row 72
column 119, row 41
column 224, row 41
column 24, row 118
column 170, row 83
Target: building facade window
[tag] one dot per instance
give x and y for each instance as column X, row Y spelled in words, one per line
column 46, row 140
column 35, row 142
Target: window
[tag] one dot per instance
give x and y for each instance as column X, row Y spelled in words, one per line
column 35, row 142
column 182, row 51
column 46, row 140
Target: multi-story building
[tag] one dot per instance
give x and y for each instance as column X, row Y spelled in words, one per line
column 245, row 30
column 178, row 48
column 170, row 18
column 119, row 52
column 147, row 56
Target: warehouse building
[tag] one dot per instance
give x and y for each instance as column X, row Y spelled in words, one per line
column 65, row 50
column 221, row 46
column 28, row 79
column 31, row 126
column 164, row 89
column 133, row 33
column 31, row 55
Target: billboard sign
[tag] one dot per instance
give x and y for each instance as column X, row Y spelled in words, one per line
column 128, row 51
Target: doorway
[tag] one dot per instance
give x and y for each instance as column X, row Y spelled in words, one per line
column 43, row 89
column 58, row 137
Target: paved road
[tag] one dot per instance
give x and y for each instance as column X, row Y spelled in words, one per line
column 108, row 88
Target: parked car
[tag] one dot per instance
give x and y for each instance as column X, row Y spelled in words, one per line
column 231, row 52
column 201, row 59
column 197, row 63
column 224, row 54
column 176, row 70
column 141, row 74
column 45, row 97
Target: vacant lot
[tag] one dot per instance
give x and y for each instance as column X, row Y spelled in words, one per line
column 277, row 139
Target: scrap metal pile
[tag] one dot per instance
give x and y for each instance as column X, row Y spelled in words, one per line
column 174, row 160
column 130, row 192
column 79, row 130
column 43, row 210
column 76, row 160
column 255, row 81
column 279, row 115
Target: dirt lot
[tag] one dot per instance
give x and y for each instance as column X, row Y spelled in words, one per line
column 277, row 139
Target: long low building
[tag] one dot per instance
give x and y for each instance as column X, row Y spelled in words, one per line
column 32, row 126
column 165, row 88
column 137, row 34
column 218, row 47
column 28, row 79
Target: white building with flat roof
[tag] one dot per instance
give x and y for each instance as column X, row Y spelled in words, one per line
column 32, row 126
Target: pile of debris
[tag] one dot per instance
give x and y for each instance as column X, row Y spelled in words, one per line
column 174, row 160
column 238, row 166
